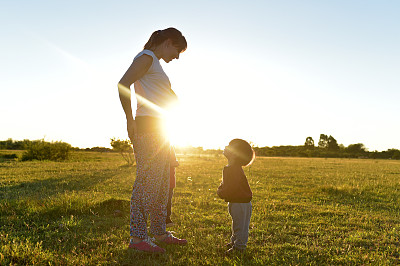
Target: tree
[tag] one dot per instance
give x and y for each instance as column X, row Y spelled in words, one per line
column 396, row 155
column 309, row 144
column 124, row 147
column 356, row 148
column 332, row 144
column 393, row 154
column 323, row 141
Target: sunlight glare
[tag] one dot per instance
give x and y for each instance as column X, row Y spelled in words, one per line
column 182, row 122
column 175, row 122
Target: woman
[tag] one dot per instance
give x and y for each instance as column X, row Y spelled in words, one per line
column 152, row 148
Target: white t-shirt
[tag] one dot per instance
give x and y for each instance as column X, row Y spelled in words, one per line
column 153, row 90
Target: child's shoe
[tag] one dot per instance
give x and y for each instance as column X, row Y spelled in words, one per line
column 170, row 239
column 234, row 251
column 229, row 245
column 147, row 246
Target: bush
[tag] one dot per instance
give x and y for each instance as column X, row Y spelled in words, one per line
column 9, row 156
column 396, row 155
column 42, row 150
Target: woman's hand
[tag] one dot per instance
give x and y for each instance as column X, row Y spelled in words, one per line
column 131, row 127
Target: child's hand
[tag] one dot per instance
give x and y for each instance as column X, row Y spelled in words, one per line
column 219, row 191
column 174, row 164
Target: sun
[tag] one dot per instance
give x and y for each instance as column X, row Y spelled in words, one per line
column 190, row 125
column 178, row 124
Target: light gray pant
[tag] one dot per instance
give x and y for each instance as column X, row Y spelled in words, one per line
column 240, row 213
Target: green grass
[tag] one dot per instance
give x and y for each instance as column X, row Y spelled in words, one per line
column 305, row 212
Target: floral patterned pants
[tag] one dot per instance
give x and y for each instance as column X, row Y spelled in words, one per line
column 151, row 187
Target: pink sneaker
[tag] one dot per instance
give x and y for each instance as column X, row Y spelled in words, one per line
column 147, row 246
column 170, row 239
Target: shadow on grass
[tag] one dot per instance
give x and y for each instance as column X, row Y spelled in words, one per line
column 107, row 209
column 73, row 231
column 47, row 187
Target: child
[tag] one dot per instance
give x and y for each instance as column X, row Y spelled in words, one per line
column 172, row 183
column 235, row 190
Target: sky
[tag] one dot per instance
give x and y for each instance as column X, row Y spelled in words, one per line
column 270, row 72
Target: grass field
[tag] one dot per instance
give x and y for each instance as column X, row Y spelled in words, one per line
column 305, row 212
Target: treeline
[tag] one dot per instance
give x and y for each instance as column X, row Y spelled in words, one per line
column 327, row 147
column 196, row 150
column 96, row 149
column 301, row 151
column 11, row 144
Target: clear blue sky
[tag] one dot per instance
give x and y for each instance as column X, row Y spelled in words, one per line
column 271, row 72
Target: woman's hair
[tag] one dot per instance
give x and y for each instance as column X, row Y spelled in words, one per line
column 159, row 36
column 243, row 152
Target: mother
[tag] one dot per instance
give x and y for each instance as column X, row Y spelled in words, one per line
column 152, row 148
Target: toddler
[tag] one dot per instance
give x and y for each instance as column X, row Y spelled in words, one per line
column 235, row 190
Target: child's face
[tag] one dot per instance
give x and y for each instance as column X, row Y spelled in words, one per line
column 228, row 153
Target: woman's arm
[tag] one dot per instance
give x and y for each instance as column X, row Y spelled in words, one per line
column 138, row 68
